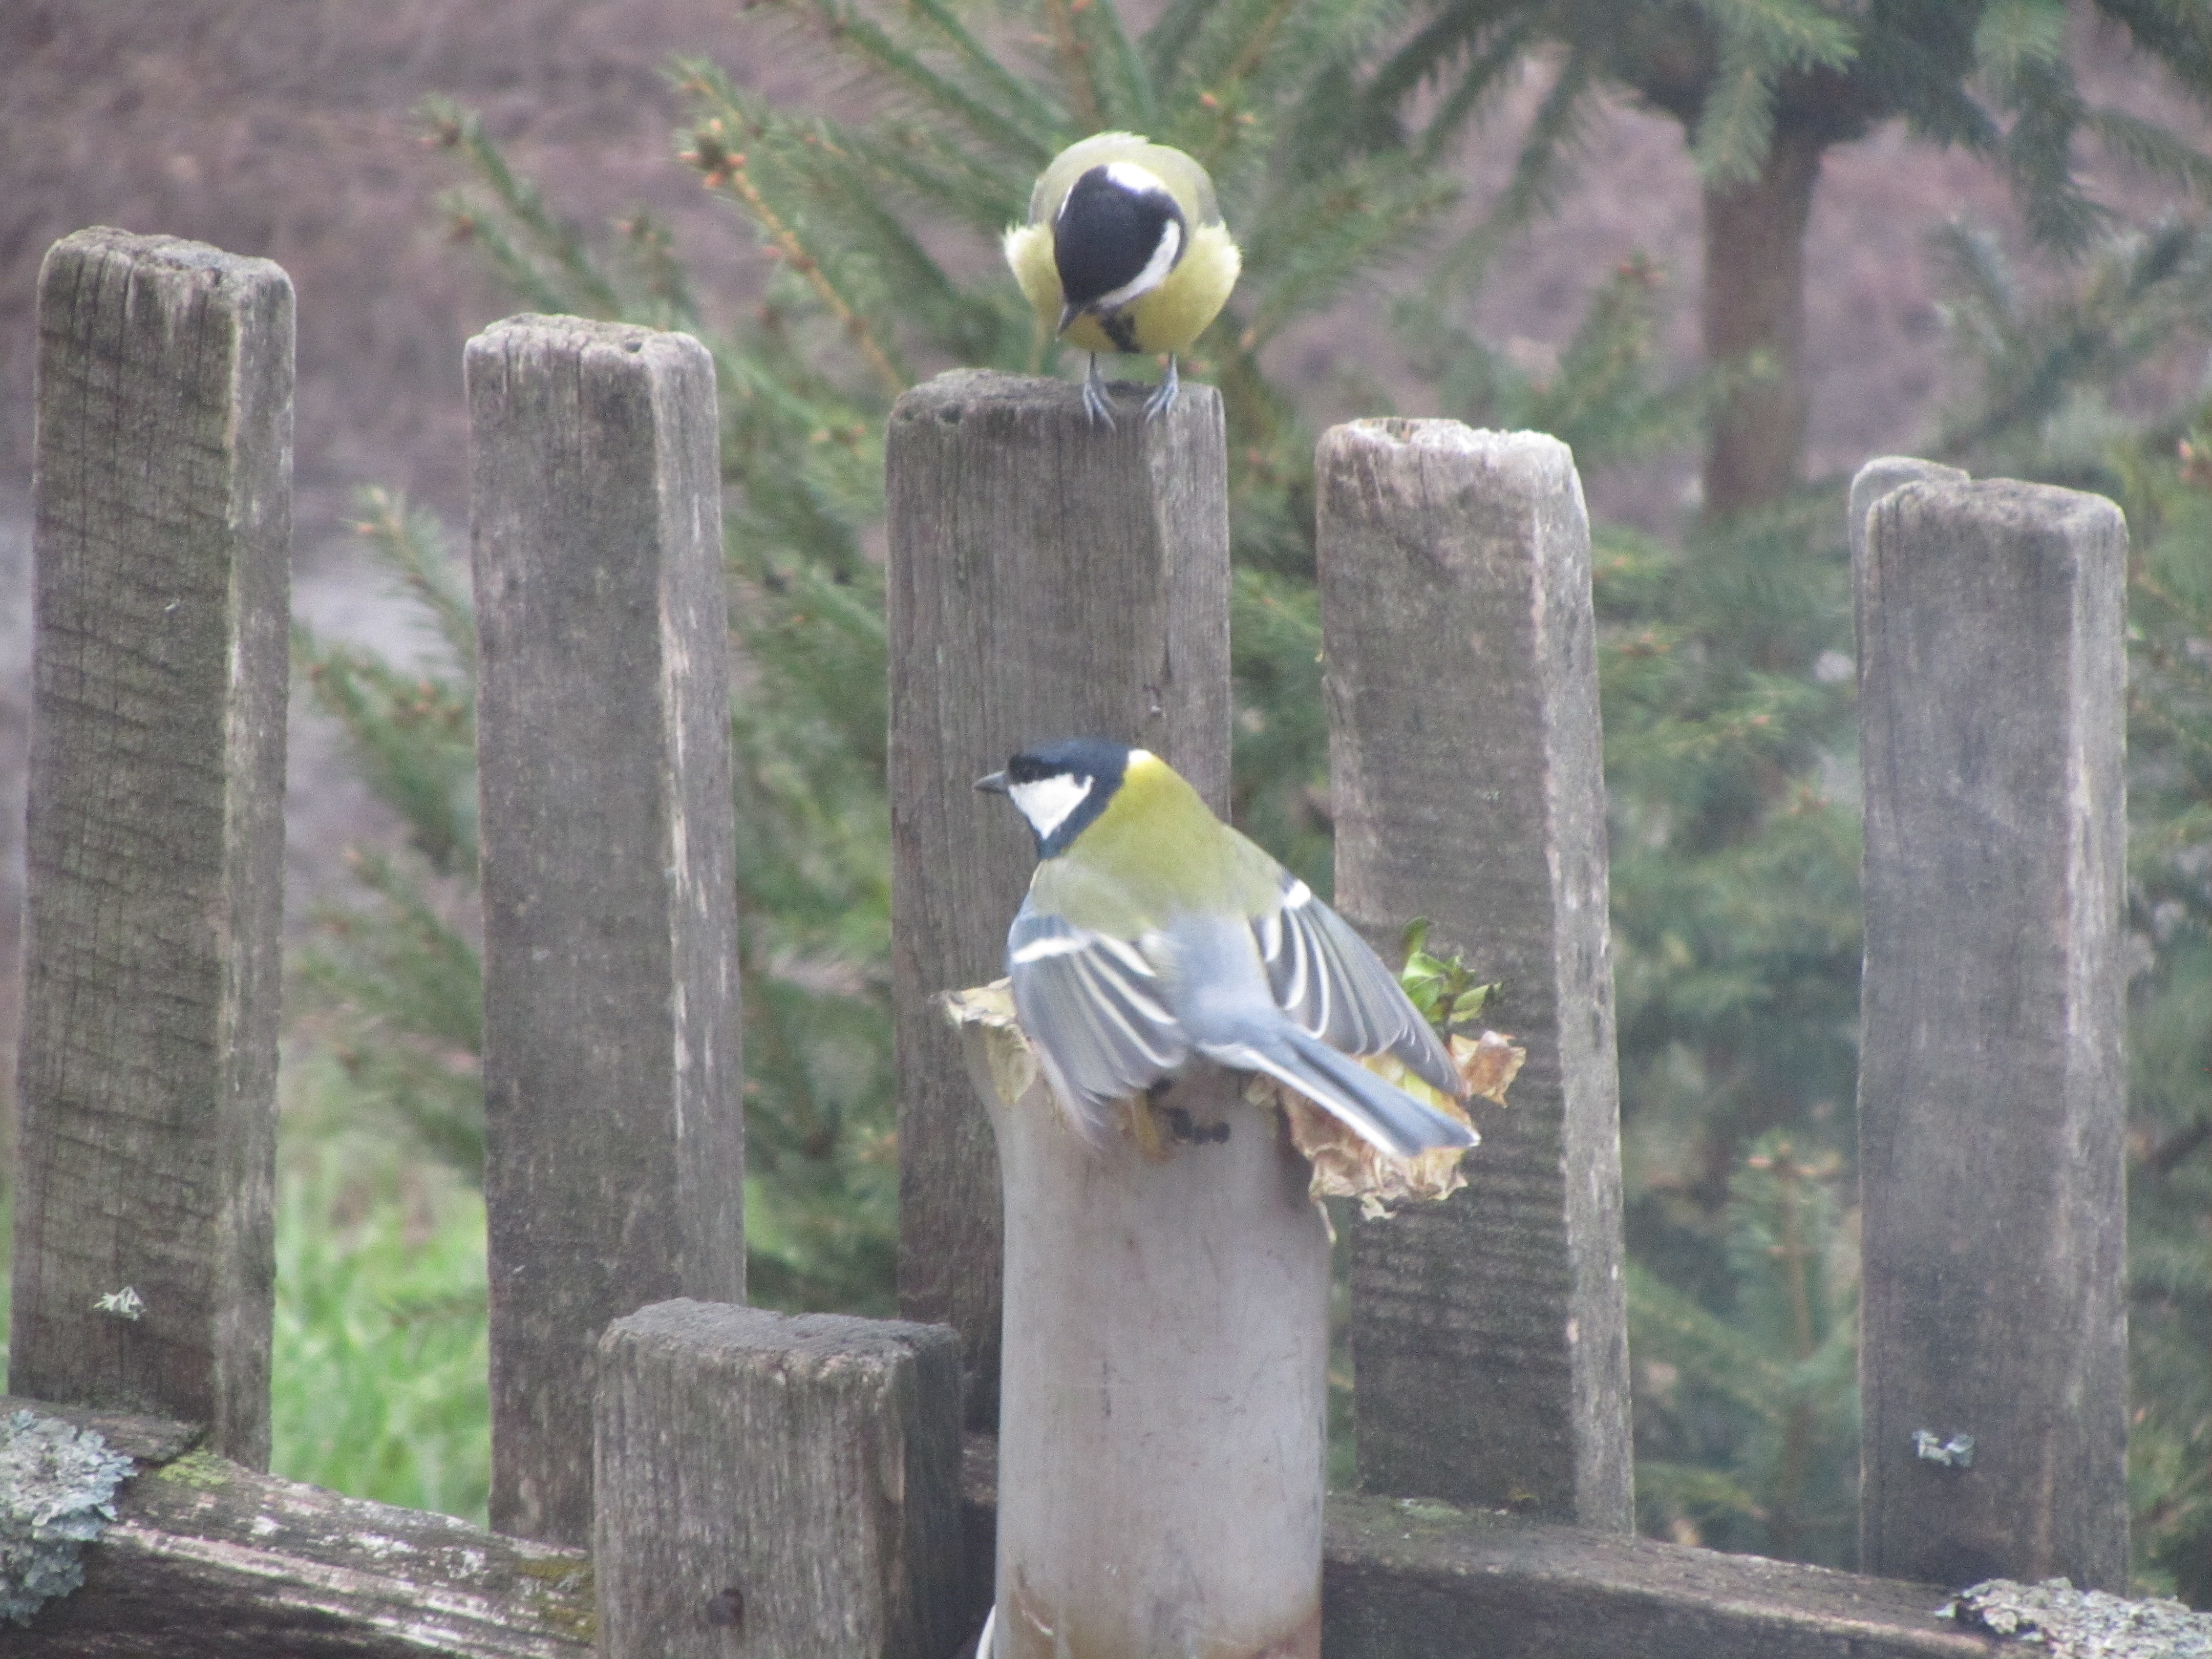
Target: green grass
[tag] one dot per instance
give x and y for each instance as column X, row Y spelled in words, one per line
column 379, row 1374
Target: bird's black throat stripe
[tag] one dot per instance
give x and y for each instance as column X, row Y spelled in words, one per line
column 1104, row 236
column 1120, row 328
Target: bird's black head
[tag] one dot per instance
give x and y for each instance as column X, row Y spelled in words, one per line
column 1061, row 786
column 1117, row 235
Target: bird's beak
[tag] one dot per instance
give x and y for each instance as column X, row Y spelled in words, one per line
column 993, row 785
column 1068, row 315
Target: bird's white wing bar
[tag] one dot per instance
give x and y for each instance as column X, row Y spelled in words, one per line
column 1091, row 1008
column 1333, row 986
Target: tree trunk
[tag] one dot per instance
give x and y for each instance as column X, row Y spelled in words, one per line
column 1754, row 325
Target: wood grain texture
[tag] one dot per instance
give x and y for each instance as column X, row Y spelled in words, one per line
column 1163, row 1431
column 1490, row 1332
column 208, row 1560
column 1992, row 676
column 1046, row 580
column 785, row 1487
column 614, row 1128
column 1412, row 1580
column 1877, row 478
column 147, row 1079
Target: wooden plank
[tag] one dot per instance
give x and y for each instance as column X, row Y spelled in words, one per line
column 785, row 1486
column 1877, row 478
column 1412, row 1580
column 1489, row 1333
column 614, row 1128
column 208, row 1560
column 1992, row 676
column 1046, row 580
column 147, row 1074
column 1163, row 1417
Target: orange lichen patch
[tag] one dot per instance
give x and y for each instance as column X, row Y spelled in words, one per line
column 1344, row 1166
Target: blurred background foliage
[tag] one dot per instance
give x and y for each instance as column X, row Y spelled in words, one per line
column 1331, row 129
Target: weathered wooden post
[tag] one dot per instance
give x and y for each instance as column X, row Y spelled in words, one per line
column 614, row 1132
column 1489, row 1333
column 1046, row 580
column 1993, row 1358
column 784, row 1486
column 144, row 1257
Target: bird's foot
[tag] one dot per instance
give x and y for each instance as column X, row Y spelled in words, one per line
column 1095, row 404
column 1164, row 399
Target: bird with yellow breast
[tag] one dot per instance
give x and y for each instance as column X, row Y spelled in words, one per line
column 1124, row 250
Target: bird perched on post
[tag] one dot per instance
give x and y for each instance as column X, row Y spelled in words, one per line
column 1154, row 934
column 1124, row 250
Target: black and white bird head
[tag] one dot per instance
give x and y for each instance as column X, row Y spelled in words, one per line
column 1117, row 236
column 1060, row 788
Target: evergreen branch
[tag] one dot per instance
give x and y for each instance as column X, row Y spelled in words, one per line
column 411, row 543
column 2013, row 34
column 1077, row 71
column 720, row 167
column 1736, row 129
column 1664, row 1320
column 1127, row 96
column 1477, row 84
column 2154, row 149
column 1033, row 114
column 863, row 40
column 1781, row 33
column 1168, row 44
column 1539, row 171
column 450, row 127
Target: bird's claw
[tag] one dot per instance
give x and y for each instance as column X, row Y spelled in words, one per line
column 1163, row 398
column 1096, row 403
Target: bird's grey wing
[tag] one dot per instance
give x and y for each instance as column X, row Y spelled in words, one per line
column 1333, row 987
column 1092, row 1009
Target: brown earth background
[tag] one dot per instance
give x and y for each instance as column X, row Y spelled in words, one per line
column 282, row 128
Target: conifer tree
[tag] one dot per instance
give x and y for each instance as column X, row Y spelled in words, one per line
column 1762, row 89
column 1724, row 661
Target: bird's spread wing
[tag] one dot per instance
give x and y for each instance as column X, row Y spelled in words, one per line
column 1333, row 987
column 1092, row 1009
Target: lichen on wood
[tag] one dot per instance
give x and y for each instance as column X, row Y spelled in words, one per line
column 57, row 1484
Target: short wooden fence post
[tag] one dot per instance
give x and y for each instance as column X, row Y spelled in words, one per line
column 1993, row 1357
column 1489, row 1333
column 1047, row 580
column 782, row 1486
column 614, row 1130
column 144, row 1258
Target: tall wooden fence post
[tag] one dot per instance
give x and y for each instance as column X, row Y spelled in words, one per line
column 144, row 1260
column 1490, row 1332
column 1047, row 579
column 1993, row 1357
column 614, row 1129
column 782, row 1486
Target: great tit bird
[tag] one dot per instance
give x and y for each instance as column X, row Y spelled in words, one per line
column 1154, row 934
column 1124, row 250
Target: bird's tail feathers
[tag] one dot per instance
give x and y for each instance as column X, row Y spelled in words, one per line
column 1386, row 1117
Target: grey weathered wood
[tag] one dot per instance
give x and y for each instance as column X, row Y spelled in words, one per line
column 147, row 1078
column 1164, row 1399
column 1992, row 677
column 1877, row 478
column 785, row 1487
column 208, row 1559
column 614, row 1130
column 1413, row 1580
column 1489, row 1333
column 1046, row 580
column 1406, row 1578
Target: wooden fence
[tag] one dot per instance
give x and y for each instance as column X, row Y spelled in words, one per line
column 767, row 1485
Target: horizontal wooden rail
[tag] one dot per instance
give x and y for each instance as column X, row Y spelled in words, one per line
column 215, row 1559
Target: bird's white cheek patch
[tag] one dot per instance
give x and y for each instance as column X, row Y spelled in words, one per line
column 1154, row 273
column 1047, row 801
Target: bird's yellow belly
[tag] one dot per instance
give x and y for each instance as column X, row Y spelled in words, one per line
column 1176, row 312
